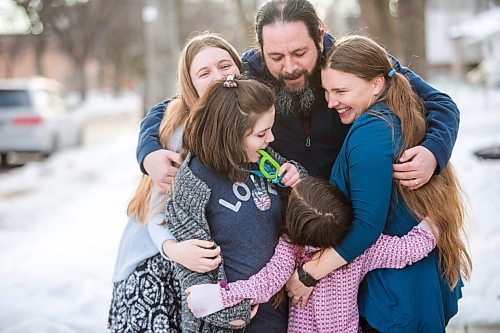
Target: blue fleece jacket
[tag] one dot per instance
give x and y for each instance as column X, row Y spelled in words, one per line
column 412, row 299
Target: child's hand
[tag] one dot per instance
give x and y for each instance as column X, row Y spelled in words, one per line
column 297, row 292
column 194, row 254
column 204, row 299
column 255, row 308
column 291, row 175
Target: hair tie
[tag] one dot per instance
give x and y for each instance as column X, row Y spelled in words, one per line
column 391, row 73
column 229, row 82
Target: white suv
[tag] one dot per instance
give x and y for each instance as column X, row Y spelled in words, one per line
column 34, row 117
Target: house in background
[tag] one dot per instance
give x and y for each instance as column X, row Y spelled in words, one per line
column 479, row 33
column 464, row 36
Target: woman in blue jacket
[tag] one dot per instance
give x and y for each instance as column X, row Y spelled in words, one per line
column 387, row 117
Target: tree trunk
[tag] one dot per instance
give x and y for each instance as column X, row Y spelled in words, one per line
column 81, row 78
column 119, row 69
column 179, row 9
column 13, row 47
column 381, row 25
column 162, row 52
column 411, row 27
column 40, row 44
column 245, row 17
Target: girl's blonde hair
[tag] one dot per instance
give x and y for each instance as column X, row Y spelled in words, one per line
column 177, row 112
column 441, row 198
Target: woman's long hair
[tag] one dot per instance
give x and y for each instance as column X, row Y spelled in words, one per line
column 177, row 112
column 441, row 198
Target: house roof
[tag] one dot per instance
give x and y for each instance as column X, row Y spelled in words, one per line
column 479, row 27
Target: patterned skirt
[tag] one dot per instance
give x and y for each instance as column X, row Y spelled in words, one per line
column 148, row 300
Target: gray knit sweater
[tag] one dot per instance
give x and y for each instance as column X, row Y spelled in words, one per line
column 186, row 218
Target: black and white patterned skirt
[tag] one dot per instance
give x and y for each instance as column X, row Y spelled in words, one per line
column 148, row 300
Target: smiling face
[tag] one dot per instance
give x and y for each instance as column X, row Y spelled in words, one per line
column 259, row 136
column 210, row 64
column 290, row 53
column 349, row 94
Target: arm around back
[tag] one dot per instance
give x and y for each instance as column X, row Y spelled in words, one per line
column 148, row 135
column 397, row 252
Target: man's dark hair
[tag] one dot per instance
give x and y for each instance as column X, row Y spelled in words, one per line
column 288, row 11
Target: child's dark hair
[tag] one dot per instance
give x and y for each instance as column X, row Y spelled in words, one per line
column 318, row 214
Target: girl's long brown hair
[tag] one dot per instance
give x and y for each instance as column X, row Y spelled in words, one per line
column 441, row 198
column 218, row 123
column 177, row 112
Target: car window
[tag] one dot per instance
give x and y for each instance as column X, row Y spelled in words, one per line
column 14, row 98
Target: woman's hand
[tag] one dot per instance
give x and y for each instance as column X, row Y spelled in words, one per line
column 253, row 311
column 417, row 166
column 194, row 254
column 291, row 176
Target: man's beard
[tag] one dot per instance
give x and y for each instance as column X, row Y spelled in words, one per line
column 296, row 102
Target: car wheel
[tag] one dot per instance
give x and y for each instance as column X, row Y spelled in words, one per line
column 53, row 147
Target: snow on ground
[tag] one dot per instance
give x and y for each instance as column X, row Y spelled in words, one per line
column 61, row 220
column 479, row 128
column 60, row 224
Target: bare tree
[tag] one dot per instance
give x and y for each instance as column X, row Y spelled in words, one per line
column 246, row 12
column 179, row 9
column 381, row 25
column 122, row 43
column 219, row 17
column 79, row 28
column 38, row 12
column 162, row 49
column 403, row 35
column 10, row 47
column 411, row 28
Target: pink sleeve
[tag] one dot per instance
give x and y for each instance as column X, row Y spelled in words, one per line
column 268, row 281
column 397, row 252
